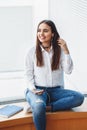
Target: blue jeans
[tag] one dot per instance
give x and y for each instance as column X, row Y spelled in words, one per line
column 57, row 97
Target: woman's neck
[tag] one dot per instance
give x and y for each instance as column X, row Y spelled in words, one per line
column 46, row 47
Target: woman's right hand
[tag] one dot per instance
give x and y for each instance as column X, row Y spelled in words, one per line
column 38, row 91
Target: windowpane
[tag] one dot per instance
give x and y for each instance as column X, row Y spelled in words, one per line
column 18, row 23
column 15, row 36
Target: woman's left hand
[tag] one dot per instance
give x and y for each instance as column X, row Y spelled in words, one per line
column 63, row 45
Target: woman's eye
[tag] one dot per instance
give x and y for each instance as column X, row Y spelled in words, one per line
column 45, row 30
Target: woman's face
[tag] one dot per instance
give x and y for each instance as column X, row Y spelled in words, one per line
column 44, row 33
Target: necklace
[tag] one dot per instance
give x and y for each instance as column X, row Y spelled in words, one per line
column 46, row 47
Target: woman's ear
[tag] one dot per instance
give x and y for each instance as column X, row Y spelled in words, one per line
column 52, row 34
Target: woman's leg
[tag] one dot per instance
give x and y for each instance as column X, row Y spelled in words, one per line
column 38, row 105
column 63, row 99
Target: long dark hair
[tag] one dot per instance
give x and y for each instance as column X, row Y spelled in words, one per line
column 56, row 47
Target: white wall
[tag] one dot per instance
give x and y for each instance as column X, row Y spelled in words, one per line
column 70, row 17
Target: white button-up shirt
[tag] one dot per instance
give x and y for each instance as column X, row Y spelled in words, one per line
column 44, row 76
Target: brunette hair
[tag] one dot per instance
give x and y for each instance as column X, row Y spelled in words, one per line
column 56, row 47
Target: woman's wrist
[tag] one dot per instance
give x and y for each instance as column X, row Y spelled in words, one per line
column 38, row 91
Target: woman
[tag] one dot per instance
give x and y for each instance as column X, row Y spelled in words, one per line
column 45, row 65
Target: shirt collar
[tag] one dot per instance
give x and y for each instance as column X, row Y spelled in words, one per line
column 42, row 49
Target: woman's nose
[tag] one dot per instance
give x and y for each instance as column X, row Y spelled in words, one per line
column 41, row 33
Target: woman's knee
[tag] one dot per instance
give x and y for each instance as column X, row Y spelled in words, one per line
column 80, row 98
column 39, row 107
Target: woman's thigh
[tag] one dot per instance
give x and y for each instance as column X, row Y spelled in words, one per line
column 59, row 93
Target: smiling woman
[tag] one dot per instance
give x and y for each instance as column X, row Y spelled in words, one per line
column 45, row 65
